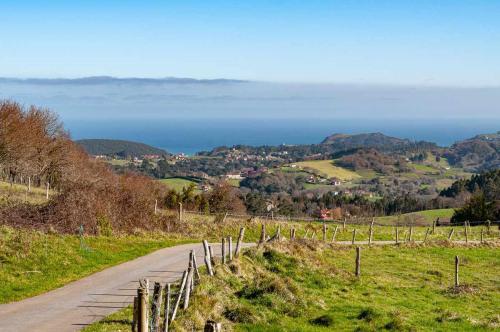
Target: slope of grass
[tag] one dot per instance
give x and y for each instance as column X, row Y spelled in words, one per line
column 32, row 262
column 427, row 216
column 309, row 286
column 328, row 168
column 427, row 169
column 177, row 183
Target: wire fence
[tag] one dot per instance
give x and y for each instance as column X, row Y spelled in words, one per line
column 400, row 221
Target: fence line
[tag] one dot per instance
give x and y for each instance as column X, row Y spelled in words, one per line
column 364, row 221
column 146, row 313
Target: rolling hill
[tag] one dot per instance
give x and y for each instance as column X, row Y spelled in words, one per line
column 476, row 154
column 370, row 140
column 112, row 147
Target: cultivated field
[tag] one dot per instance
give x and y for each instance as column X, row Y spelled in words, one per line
column 427, row 216
column 328, row 168
column 177, row 183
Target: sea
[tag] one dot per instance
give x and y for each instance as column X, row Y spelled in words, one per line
column 190, row 136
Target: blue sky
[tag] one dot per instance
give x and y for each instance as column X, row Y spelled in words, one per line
column 422, row 42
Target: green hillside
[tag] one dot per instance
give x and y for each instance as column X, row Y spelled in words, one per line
column 113, row 147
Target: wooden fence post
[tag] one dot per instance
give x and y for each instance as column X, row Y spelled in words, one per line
column 427, row 231
column 335, row 233
column 187, row 293
column 343, row 225
column 208, row 259
column 410, row 236
column 212, row 256
column 135, row 314
column 451, row 234
column 29, row 183
column 353, row 235
column 370, row 237
column 180, row 212
column 230, row 247
column 47, row 191
column 457, row 262
column 206, row 250
column 208, row 264
column 434, row 227
column 179, row 295
column 156, row 307
column 397, row 235
column 156, row 206
column 239, row 242
column 482, row 231
column 194, row 264
column 466, row 234
column 223, row 250
column 324, row 231
column 166, row 315
column 142, row 322
column 262, row 234
column 144, row 283
column 358, row 261
column 211, row 326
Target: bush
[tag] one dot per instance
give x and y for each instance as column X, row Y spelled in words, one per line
column 324, row 320
column 368, row 315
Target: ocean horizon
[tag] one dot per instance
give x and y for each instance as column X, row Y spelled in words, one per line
column 190, row 136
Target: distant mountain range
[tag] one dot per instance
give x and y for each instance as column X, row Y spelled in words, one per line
column 120, row 148
column 95, row 80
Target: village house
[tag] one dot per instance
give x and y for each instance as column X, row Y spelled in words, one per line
column 330, row 214
column 234, row 176
column 335, row 181
column 151, row 156
column 205, row 187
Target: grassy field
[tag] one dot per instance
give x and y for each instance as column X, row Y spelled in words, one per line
column 309, row 286
column 234, row 182
column 200, row 226
column 427, row 169
column 427, row 216
column 329, row 169
column 19, row 193
column 312, row 186
column 32, row 262
column 177, row 183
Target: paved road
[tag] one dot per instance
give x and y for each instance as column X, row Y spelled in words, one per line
column 82, row 302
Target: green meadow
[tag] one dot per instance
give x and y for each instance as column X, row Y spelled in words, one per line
column 310, row 286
